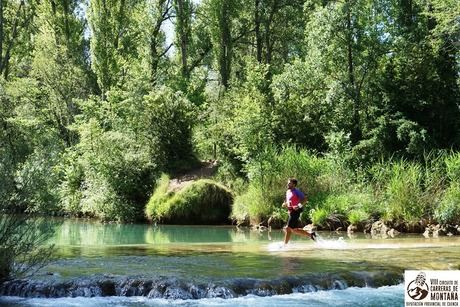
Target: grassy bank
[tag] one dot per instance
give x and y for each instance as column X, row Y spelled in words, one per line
column 407, row 195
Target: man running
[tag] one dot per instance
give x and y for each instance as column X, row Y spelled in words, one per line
column 294, row 197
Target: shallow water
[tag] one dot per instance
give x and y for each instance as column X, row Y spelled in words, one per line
column 237, row 259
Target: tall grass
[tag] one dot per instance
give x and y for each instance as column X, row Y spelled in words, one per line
column 409, row 191
column 404, row 192
column 268, row 175
column 399, row 192
column 452, row 162
column 448, row 211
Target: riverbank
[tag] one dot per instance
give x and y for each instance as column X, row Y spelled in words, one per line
column 407, row 196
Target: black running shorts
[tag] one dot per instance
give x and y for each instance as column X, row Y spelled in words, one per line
column 294, row 217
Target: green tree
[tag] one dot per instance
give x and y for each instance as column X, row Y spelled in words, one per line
column 158, row 12
column 420, row 88
column 278, row 30
column 16, row 27
column 114, row 40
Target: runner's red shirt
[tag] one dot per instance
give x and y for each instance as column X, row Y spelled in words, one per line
column 293, row 197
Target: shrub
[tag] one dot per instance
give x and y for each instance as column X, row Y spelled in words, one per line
column 107, row 175
column 168, row 119
column 36, row 181
column 201, row 202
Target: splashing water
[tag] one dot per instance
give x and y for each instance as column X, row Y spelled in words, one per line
column 331, row 244
column 277, row 246
column 321, row 243
column 383, row 296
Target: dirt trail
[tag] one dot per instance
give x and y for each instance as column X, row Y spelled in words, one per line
column 206, row 170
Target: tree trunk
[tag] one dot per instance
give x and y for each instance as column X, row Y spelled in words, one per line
column 182, row 25
column 356, row 129
column 163, row 8
column 226, row 42
column 1, row 32
column 257, row 22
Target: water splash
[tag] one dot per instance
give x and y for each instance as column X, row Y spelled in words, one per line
column 178, row 289
column 382, row 296
column 277, row 247
column 331, row 244
column 306, row 245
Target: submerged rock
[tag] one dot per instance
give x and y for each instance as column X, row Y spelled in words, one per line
column 432, row 230
column 449, row 230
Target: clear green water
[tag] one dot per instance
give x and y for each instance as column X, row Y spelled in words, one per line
column 86, row 249
column 208, row 252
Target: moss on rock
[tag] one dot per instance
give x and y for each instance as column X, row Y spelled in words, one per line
column 200, row 202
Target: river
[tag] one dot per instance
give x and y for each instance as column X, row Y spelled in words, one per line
column 144, row 265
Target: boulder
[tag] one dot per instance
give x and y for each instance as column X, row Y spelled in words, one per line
column 432, row 230
column 352, row 228
column 393, row 232
column 200, row 202
column 379, row 228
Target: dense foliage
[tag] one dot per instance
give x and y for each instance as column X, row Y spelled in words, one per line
column 98, row 98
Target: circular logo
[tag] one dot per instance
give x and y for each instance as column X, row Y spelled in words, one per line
column 418, row 289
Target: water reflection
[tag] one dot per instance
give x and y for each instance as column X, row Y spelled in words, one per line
column 86, row 233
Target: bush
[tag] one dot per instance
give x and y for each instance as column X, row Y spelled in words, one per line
column 168, row 120
column 108, row 175
column 124, row 144
column 36, row 181
column 238, row 123
column 7, row 188
column 357, row 216
column 201, row 202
